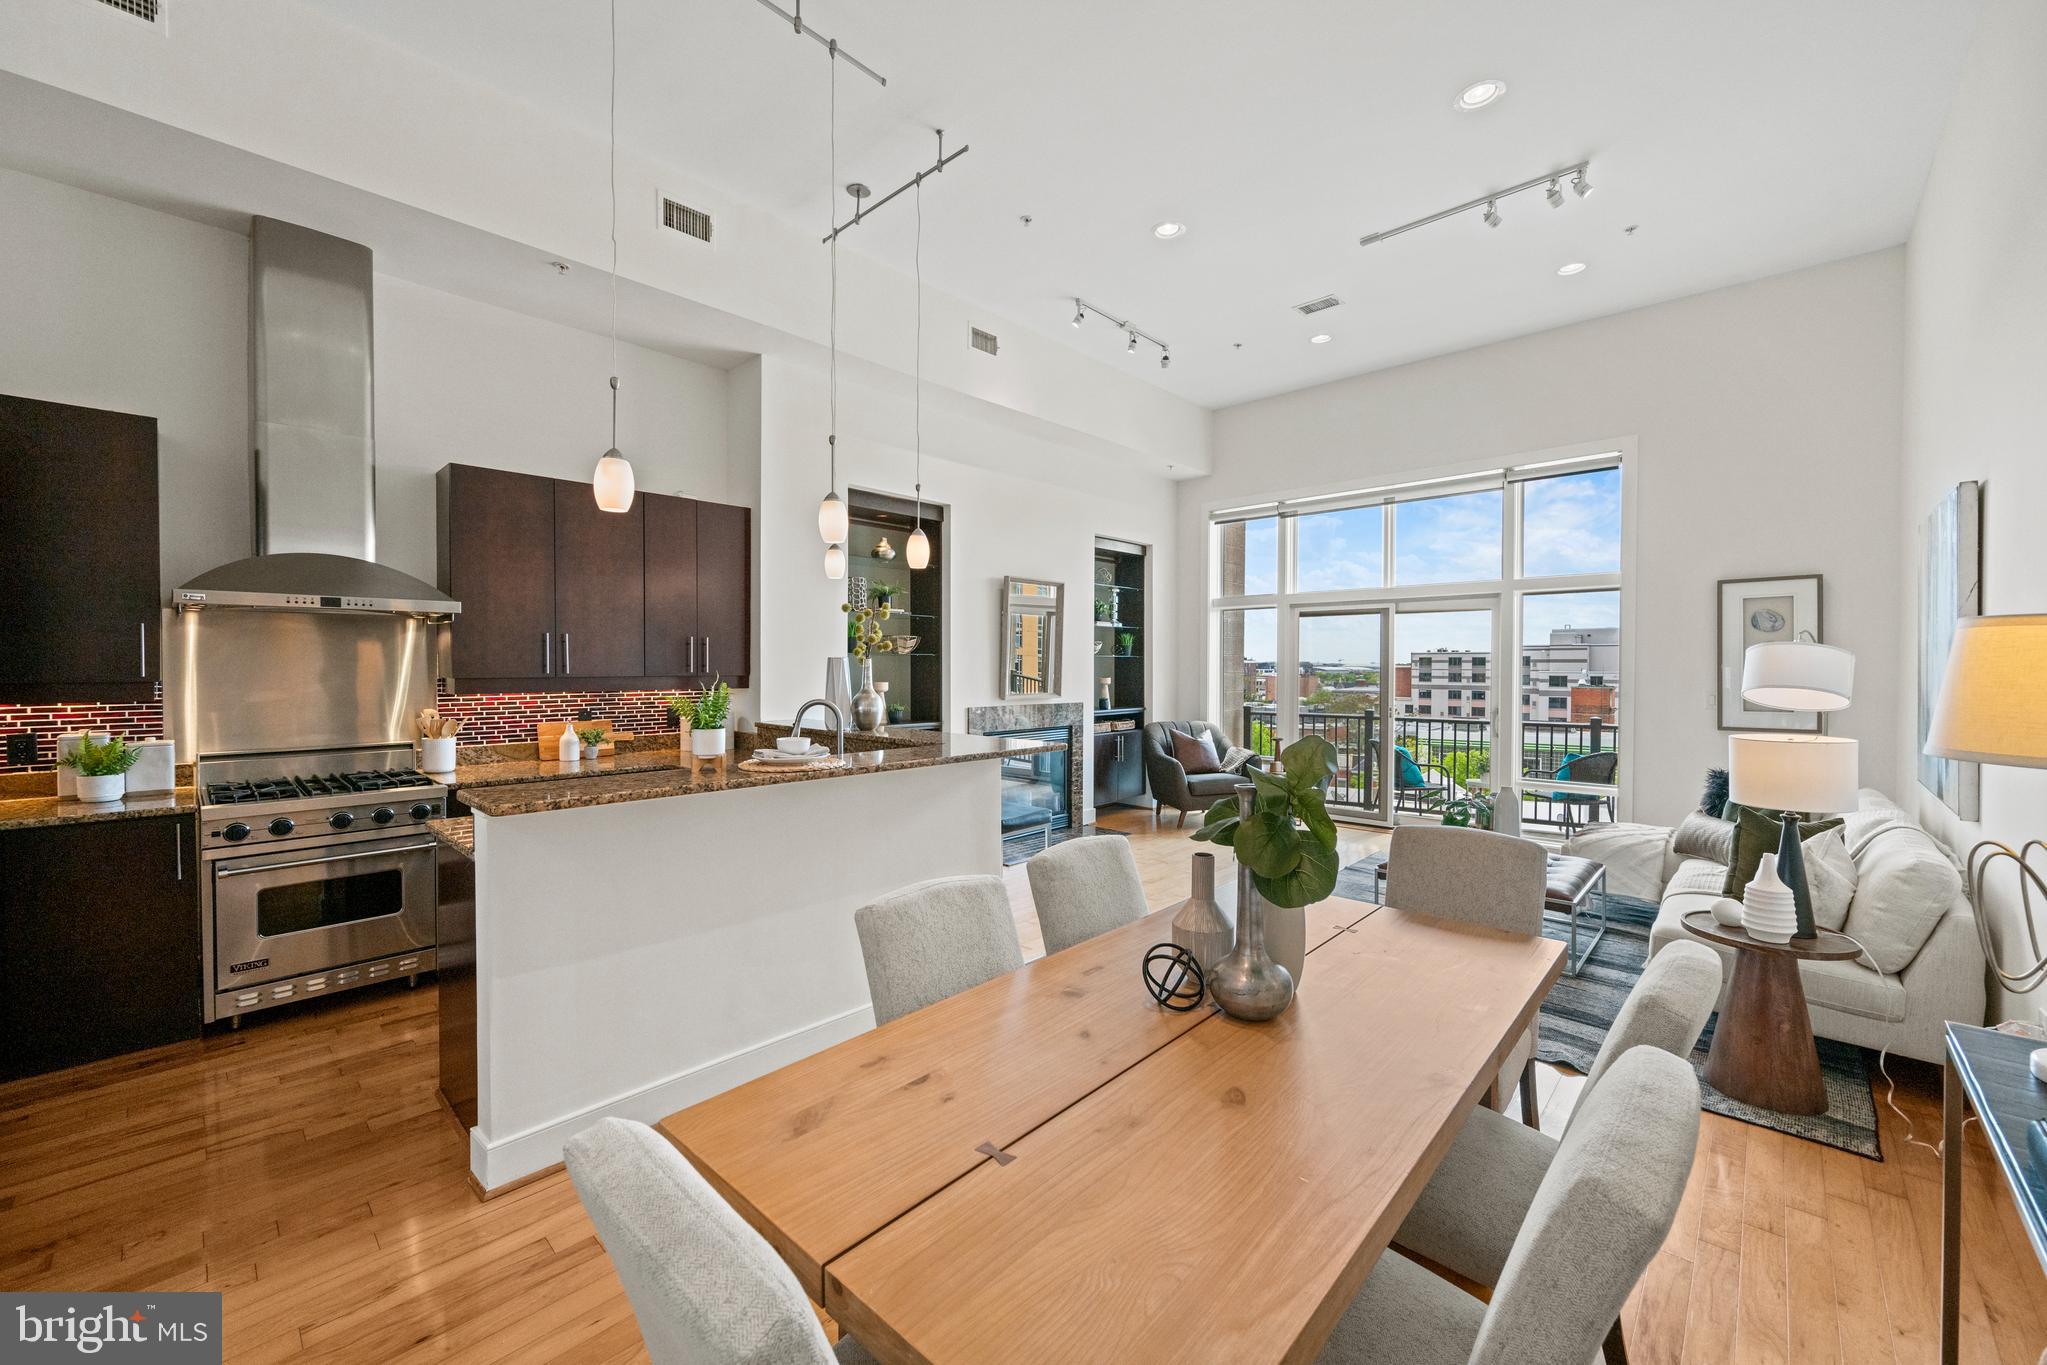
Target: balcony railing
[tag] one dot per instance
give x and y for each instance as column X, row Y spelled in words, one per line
column 1448, row 754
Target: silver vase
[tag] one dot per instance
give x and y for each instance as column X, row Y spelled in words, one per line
column 1199, row 924
column 869, row 710
column 1248, row 984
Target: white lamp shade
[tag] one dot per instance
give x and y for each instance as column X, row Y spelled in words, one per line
column 1993, row 697
column 1811, row 774
column 834, row 561
column 831, row 520
column 1798, row 676
column 614, row 482
column 917, row 549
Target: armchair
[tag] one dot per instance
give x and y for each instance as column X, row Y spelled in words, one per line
column 1171, row 784
column 1422, row 788
column 1599, row 767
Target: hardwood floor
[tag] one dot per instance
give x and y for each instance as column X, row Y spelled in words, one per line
column 305, row 1168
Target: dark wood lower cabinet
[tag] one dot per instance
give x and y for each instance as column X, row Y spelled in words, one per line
column 99, row 941
column 1119, row 767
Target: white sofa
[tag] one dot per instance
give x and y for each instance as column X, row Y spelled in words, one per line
column 1925, row 932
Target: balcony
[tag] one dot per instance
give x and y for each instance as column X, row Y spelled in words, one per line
column 1449, row 754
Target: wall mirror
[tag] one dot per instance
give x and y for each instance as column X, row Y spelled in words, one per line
column 1030, row 637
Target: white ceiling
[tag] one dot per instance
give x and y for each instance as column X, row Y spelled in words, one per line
column 1744, row 137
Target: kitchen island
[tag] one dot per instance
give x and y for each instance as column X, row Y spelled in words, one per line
column 633, row 939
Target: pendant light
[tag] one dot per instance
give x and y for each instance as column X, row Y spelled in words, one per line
column 613, row 481
column 832, row 522
column 917, row 550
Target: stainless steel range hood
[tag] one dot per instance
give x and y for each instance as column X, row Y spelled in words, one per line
column 313, row 439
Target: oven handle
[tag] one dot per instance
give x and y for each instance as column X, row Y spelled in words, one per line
column 310, row 862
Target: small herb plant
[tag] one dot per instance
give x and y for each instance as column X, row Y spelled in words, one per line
column 1104, row 609
column 711, row 707
column 1289, row 841
column 1126, row 641
column 93, row 759
column 1474, row 810
column 591, row 737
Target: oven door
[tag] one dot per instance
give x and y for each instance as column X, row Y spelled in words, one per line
column 281, row 914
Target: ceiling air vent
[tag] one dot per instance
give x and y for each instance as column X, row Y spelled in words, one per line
column 1317, row 305
column 984, row 341
column 686, row 220
column 145, row 10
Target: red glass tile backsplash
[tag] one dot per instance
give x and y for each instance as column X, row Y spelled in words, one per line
column 136, row 720
column 512, row 717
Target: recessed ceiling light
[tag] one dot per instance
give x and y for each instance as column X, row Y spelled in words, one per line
column 1571, row 268
column 1479, row 94
column 1319, row 338
column 1166, row 232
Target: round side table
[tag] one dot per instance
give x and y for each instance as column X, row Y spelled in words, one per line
column 1763, row 1051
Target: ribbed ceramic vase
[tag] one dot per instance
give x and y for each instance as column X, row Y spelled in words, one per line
column 1248, row 984
column 1768, row 910
column 1199, row 924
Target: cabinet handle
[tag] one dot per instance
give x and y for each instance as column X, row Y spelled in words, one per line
column 547, row 653
column 691, row 667
column 567, row 668
column 178, row 843
column 707, row 654
column 142, row 648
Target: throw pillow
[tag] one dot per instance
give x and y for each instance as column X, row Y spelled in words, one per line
column 1756, row 834
column 1705, row 836
column 1715, row 799
column 1235, row 759
column 1195, row 753
column 1904, row 886
column 1411, row 774
column 1830, row 876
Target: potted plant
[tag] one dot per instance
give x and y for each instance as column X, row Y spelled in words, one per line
column 592, row 736
column 1475, row 809
column 707, row 720
column 885, row 596
column 1285, row 844
column 102, row 768
column 1126, row 641
column 1105, row 610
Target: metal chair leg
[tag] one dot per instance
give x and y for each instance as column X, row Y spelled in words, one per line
column 1530, row 1113
column 1615, row 1349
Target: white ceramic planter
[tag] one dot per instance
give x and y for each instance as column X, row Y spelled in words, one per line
column 707, row 743
column 590, row 750
column 437, row 755
column 109, row 788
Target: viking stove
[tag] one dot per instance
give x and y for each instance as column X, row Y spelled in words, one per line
column 320, row 877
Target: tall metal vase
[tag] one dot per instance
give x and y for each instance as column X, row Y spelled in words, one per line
column 1248, row 984
column 869, row 711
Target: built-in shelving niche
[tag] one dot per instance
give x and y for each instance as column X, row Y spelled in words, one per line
column 915, row 681
column 1120, row 611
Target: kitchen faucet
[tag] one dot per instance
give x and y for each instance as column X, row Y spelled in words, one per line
column 838, row 720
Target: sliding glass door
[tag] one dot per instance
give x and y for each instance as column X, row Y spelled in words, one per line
column 1338, row 689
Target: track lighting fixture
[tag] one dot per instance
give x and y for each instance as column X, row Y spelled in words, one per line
column 1488, row 204
column 1132, row 347
column 1132, row 333
column 1165, row 360
column 1078, row 316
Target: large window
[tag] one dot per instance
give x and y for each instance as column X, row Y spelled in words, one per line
column 1571, row 524
column 1453, row 539
column 1341, row 549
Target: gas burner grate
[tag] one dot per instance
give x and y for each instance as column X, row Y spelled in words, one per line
column 313, row 785
column 382, row 780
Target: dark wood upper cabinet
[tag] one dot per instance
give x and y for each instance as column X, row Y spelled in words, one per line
column 497, row 558
column 558, row 595
column 81, row 594
column 600, row 585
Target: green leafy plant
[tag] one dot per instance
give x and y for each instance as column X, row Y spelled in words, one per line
column 591, row 737
column 884, row 594
column 1104, row 609
column 1288, row 841
column 1126, row 640
column 1474, row 811
column 93, row 759
column 712, row 707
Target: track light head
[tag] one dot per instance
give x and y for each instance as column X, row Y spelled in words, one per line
column 1492, row 214
column 1580, row 186
column 1554, row 195
column 1165, row 360
column 1078, row 316
column 1132, row 347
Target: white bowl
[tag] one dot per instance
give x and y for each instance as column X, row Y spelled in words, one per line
column 794, row 744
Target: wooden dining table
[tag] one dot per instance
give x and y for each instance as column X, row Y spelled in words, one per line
column 1052, row 1167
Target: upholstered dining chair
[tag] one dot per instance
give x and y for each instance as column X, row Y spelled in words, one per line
column 704, row 1285
column 935, row 939
column 1085, row 887
column 1479, row 877
column 1603, row 1208
column 1472, row 1209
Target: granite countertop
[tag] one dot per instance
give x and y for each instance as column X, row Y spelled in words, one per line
column 867, row 754
column 458, row 834
column 498, row 765
column 34, row 812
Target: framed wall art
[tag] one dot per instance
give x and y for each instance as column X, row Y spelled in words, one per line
column 1755, row 611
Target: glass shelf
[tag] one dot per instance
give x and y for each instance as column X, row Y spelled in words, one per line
column 1116, row 587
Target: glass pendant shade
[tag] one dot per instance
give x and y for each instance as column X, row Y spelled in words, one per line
column 917, row 550
column 831, row 520
column 834, row 561
column 614, row 482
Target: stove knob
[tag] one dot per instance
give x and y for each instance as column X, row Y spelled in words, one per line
column 383, row 815
column 341, row 819
column 421, row 810
column 235, row 832
column 283, row 825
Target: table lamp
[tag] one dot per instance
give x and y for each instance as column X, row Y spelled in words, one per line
column 1992, row 708
column 1794, row 774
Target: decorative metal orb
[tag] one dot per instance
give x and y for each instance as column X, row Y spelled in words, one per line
column 1173, row 976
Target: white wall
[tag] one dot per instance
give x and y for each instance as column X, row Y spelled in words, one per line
column 1766, row 436
column 1976, row 400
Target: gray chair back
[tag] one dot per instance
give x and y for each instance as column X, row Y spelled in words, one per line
column 1472, row 875
column 703, row 1284
column 935, row 939
column 1601, row 1213
column 1085, row 887
column 1667, row 1009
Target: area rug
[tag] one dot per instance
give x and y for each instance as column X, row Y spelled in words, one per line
column 1580, row 1009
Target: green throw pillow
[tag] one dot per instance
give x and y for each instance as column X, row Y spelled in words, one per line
column 1758, row 832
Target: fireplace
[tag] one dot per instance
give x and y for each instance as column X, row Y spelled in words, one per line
column 1041, row 793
